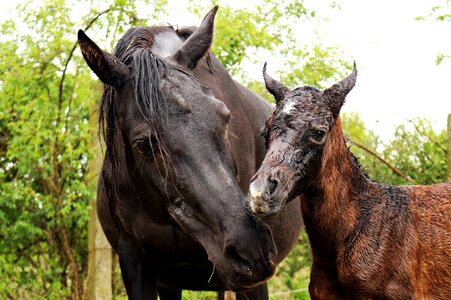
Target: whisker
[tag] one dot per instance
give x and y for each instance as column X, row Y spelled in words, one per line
column 211, row 276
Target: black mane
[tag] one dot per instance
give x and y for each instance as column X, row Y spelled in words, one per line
column 134, row 49
column 357, row 164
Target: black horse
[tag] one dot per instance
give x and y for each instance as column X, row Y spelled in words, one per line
column 182, row 142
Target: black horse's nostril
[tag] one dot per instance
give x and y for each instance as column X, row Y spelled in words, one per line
column 272, row 186
column 231, row 252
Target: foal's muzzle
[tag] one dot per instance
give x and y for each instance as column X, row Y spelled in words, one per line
column 262, row 194
column 269, row 190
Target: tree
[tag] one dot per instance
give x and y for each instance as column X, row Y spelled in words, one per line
column 415, row 150
column 265, row 31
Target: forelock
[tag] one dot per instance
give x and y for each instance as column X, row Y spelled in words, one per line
column 305, row 101
column 301, row 107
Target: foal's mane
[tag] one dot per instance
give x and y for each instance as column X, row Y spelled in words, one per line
column 338, row 133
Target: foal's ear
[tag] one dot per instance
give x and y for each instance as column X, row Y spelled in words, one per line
column 277, row 89
column 197, row 45
column 336, row 94
column 107, row 67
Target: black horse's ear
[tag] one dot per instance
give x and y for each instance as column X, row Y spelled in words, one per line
column 336, row 94
column 185, row 32
column 106, row 66
column 197, row 45
column 277, row 89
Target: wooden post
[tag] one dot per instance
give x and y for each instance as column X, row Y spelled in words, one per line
column 449, row 148
column 100, row 259
column 229, row 295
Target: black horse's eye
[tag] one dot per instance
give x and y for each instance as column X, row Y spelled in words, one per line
column 147, row 147
column 318, row 135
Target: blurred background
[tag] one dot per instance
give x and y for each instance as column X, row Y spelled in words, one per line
column 395, row 117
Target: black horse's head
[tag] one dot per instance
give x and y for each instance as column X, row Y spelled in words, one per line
column 167, row 143
column 296, row 135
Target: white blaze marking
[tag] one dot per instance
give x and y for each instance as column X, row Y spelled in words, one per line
column 166, row 43
column 289, row 107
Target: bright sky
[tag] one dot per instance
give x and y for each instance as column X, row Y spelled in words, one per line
column 395, row 54
column 398, row 78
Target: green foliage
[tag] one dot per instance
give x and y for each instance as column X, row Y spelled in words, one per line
column 292, row 276
column 440, row 11
column 44, row 157
column 232, row 42
column 266, row 31
column 188, row 295
column 416, row 150
column 317, row 67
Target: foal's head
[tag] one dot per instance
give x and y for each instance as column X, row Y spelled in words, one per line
column 295, row 135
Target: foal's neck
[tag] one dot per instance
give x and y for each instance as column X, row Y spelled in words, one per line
column 330, row 198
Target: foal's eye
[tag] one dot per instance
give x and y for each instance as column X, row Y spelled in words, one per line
column 146, row 147
column 318, row 135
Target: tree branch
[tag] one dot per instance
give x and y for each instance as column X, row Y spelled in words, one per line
column 69, row 58
column 393, row 168
column 428, row 137
column 58, row 186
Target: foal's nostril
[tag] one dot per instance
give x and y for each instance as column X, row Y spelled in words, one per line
column 272, row 186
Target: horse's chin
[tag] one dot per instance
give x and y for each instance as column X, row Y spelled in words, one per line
column 238, row 282
column 243, row 286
